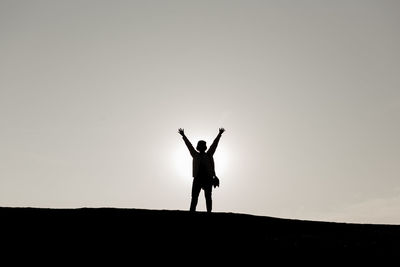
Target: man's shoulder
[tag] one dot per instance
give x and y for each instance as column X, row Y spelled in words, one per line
column 196, row 154
column 209, row 154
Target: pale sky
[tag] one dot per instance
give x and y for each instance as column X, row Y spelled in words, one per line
column 92, row 94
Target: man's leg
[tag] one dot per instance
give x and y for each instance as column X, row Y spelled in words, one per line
column 196, row 187
column 207, row 194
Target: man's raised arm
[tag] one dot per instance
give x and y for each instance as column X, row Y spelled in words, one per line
column 187, row 142
column 214, row 145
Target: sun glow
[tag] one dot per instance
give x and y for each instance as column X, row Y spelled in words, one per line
column 182, row 161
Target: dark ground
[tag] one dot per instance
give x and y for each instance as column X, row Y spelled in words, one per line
column 100, row 235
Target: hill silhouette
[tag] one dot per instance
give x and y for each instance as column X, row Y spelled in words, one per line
column 165, row 234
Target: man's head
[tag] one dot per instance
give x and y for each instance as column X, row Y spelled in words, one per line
column 201, row 146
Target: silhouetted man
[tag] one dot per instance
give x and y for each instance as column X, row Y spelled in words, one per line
column 203, row 169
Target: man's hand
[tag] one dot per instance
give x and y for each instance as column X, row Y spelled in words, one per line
column 221, row 130
column 181, row 132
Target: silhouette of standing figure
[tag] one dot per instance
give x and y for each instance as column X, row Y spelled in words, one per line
column 203, row 168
